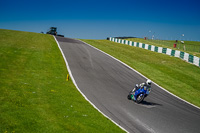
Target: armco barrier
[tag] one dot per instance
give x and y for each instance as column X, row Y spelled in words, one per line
column 183, row 55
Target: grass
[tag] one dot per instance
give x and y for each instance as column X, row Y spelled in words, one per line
column 35, row 96
column 191, row 47
column 174, row 74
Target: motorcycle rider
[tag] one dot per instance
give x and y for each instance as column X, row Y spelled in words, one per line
column 146, row 85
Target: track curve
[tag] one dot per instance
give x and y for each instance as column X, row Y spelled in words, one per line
column 106, row 83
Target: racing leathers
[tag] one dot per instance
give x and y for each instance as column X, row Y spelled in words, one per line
column 145, row 85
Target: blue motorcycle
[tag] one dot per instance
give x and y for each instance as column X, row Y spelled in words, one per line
column 139, row 93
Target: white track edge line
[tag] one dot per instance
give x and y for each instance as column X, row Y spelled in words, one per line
column 142, row 75
column 70, row 73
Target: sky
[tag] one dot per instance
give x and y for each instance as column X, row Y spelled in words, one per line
column 99, row 19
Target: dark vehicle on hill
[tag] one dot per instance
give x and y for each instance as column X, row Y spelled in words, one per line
column 53, row 31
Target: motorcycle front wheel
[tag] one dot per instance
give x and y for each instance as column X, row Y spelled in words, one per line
column 140, row 98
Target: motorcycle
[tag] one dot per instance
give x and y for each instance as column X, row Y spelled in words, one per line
column 138, row 93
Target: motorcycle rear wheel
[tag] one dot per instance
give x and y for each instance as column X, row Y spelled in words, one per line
column 129, row 97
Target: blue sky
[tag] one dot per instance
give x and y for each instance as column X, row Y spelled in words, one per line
column 89, row 19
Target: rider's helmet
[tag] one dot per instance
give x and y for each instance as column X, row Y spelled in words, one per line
column 148, row 82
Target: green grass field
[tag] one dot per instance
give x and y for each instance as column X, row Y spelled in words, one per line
column 174, row 74
column 35, row 96
column 191, row 47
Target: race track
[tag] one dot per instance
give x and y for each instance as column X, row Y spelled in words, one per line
column 106, row 83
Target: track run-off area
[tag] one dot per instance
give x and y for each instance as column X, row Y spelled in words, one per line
column 106, row 82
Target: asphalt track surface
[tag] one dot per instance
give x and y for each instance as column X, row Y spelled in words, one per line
column 107, row 82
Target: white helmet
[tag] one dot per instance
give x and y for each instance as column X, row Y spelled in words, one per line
column 148, row 82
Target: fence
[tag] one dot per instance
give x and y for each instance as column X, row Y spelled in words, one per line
column 183, row 55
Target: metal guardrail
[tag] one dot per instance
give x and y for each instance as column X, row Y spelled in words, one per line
column 186, row 47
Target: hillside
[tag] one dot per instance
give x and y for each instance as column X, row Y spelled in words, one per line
column 35, row 96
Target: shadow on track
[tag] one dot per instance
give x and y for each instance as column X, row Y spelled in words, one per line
column 150, row 103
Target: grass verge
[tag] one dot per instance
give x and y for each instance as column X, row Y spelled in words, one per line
column 173, row 74
column 35, row 96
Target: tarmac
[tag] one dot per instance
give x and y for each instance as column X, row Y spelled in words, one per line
column 106, row 83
